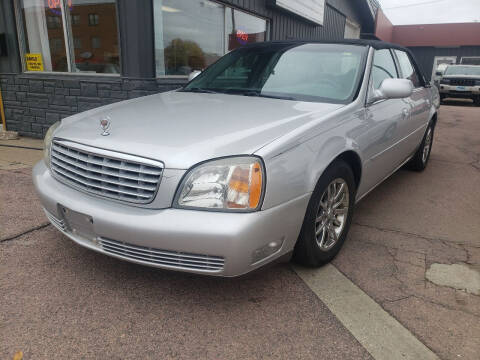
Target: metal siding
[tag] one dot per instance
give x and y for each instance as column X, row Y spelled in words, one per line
column 289, row 26
column 346, row 8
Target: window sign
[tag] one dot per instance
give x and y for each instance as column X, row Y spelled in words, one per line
column 192, row 34
column 55, row 6
column 86, row 42
column 42, row 24
column 34, row 62
column 243, row 28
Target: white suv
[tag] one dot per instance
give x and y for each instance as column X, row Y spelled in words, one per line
column 461, row 81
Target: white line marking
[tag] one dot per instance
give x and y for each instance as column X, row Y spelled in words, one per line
column 378, row 332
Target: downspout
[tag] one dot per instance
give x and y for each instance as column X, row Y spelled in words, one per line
column 2, row 113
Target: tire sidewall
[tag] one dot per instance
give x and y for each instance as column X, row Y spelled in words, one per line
column 432, row 128
column 416, row 163
column 307, row 239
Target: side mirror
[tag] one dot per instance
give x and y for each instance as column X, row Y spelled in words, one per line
column 438, row 73
column 393, row 89
column 193, row 75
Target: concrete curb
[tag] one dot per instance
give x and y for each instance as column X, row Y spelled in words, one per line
column 378, row 332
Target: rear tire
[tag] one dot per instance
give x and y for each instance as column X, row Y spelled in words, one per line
column 419, row 161
column 328, row 217
column 476, row 101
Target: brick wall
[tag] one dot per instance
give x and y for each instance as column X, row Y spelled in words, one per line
column 32, row 103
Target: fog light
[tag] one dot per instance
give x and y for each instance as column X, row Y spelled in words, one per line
column 266, row 250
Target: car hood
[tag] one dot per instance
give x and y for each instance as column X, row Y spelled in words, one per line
column 183, row 128
column 462, row 76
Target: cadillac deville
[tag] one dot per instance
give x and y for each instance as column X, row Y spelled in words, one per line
column 260, row 157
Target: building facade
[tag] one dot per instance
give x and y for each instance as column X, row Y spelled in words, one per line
column 434, row 44
column 61, row 57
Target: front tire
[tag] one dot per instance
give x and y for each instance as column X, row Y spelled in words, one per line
column 419, row 161
column 328, row 217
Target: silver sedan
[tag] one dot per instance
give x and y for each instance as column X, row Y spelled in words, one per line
column 260, row 157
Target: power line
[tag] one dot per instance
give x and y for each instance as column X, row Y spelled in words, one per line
column 412, row 5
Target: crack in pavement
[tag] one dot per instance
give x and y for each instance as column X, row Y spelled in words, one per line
column 404, row 286
column 469, row 255
column 39, row 227
column 421, row 298
column 22, row 147
column 445, row 242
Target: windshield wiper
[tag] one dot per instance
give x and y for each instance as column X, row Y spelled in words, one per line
column 259, row 94
column 200, row 90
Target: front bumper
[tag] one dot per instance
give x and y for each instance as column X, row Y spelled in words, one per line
column 145, row 234
column 464, row 92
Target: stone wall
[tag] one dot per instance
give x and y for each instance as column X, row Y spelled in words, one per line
column 32, row 102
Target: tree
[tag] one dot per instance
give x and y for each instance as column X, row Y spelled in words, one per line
column 181, row 55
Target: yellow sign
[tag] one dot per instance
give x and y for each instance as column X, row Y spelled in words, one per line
column 34, row 62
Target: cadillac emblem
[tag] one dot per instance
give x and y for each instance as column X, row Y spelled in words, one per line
column 105, row 124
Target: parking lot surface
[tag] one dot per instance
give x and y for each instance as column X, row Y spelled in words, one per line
column 413, row 245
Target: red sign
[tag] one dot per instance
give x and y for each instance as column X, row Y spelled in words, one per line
column 242, row 37
column 55, row 4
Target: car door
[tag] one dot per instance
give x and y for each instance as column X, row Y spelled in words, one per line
column 385, row 122
column 420, row 101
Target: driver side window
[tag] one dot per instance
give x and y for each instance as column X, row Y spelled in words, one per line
column 383, row 67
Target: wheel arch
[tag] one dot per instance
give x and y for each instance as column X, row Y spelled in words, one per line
column 434, row 118
column 355, row 163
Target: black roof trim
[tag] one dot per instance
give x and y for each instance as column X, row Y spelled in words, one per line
column 376, row 44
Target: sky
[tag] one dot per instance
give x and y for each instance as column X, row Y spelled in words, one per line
column 407, row 12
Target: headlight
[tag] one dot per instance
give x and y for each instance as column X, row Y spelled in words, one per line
column 230, row 184
column 48, row 143
column 445, row 81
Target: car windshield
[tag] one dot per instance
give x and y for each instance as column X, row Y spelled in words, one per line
column 463, row 70
column 305, row 72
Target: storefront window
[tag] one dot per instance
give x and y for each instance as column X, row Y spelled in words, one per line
column 86, row 42
column 44, row 35
column 96, row 30
column 243, row 28
column 192, row 34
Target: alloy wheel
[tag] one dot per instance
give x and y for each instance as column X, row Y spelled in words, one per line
column 332, row 214
column 426, row 146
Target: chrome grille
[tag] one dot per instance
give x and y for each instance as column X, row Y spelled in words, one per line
column 59, row 223
column 163, row 257
column 105, row 173
column 462, row 82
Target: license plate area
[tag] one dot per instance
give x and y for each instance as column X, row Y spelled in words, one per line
column 78, row 223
